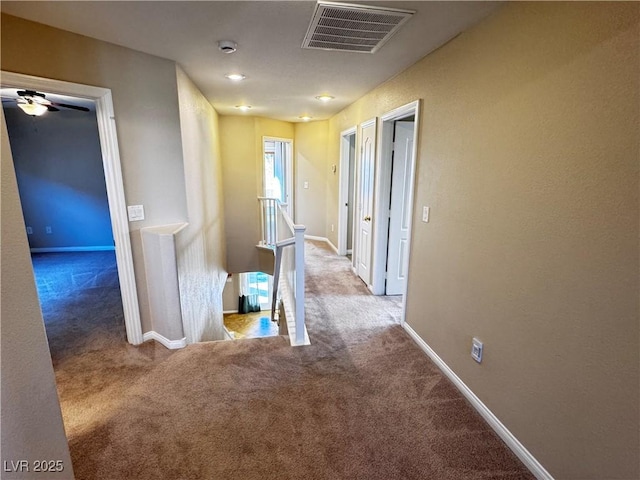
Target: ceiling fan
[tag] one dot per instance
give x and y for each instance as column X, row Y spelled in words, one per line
column 34, row 103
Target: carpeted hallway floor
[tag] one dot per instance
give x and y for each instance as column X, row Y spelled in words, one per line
column 362, row 402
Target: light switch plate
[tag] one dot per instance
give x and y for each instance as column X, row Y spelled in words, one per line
column 425, row 214
column 136, row 213
column 306, row 185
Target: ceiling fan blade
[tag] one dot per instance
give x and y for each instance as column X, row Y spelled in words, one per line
column 29, row 93
column 73, row 107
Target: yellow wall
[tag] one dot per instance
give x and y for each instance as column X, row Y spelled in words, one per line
column 241, row 148
column 311, row 166
column 528, row 157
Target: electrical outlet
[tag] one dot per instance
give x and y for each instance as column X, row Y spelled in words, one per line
column 47, row 229
column 332, row 227
column 476, row 350
column 29, row 231
column 305, row 185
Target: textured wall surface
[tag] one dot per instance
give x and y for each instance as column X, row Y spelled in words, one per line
column 32, row 426
column 528, row 156
column 311, row 166
column 201, row 250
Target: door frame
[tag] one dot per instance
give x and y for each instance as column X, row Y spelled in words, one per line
column 343, row 195
column 290, row 176
column 113, row 179
column 383, row 190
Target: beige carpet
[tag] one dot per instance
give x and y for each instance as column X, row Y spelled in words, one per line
column 362, row 402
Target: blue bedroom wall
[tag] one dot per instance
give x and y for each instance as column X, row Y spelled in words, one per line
column 58, row 165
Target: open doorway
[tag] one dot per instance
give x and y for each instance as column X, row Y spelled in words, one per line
column 277, row 169
column 58, row 165
column 395, row 179
column 113, row 180
column 347, row 192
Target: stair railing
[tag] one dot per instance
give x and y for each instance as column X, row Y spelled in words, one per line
column 280, row 233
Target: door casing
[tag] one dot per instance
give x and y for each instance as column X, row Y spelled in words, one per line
column 113, row 179
column 382, row 192
column 344, row 189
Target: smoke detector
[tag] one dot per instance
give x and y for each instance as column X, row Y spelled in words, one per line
column 353, row 28
column 227, row 46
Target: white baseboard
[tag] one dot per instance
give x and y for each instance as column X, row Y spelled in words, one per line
column 170, row 344
column 228, row 334
column 333, row 247
column 512, row 442
column 322, row 239
column 97, row 248
column 229, row 311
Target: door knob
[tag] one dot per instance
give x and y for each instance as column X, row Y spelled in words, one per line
column 367, row 218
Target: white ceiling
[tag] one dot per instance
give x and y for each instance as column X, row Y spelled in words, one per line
column 282, row 78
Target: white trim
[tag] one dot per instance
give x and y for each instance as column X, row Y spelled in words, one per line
column 98, row 248
column 228, row 333
column 332, row 246
column 113, row 179
column 170, row 344
column 224, row 312
column 503, row 432
column 290, row 187
column 322, row 239
column 382, row 190
column 343, row 195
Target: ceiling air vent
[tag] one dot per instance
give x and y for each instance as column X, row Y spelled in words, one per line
column 353, row 28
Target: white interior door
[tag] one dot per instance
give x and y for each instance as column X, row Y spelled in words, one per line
column 365, row 201
column 400, row 209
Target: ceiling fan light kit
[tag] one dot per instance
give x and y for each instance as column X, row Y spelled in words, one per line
column 33, row 109
column 35, row 103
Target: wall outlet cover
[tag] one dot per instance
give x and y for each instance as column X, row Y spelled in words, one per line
column 476, row 350
column 136, row 213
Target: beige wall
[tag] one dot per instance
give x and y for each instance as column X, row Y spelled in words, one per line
column 311, row 166
column 201, row 254
column 528, row 157
column 31, row 420
column 145, row 102
column 230, row 294
column 241, row 147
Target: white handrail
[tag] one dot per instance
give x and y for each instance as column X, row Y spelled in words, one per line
column 279, row 232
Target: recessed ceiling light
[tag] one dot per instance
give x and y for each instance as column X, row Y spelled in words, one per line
column 244, row 108
column 305, row 118
column 325, row 98
column 236, row 77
